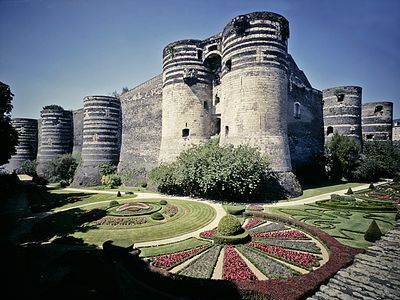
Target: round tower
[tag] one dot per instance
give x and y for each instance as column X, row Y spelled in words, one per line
column 101, row 137
column 342, row 112
column 254, row 88
column 27, row 142
column 377, row 121
column 186, row 98
column 56, row 134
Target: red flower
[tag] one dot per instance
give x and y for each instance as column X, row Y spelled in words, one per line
column 234, row 266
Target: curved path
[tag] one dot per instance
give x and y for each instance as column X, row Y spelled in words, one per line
column 220, row 211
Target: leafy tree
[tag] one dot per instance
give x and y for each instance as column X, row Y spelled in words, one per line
column 214, row 171
column 8, row 135
column 107, row 168
column 62, row 168
column 28, row 167
column 342, row 157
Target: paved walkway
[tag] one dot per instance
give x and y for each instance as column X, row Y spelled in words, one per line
column 373, row 275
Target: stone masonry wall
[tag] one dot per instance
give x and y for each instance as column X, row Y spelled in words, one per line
column 377, row 121
column 77, row 116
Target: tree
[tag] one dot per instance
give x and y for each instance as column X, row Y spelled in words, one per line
column 62, row 168
column 342, row 157
column 8, row 135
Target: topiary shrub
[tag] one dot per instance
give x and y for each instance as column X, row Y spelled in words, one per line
column 113, row 203
column 163, row 202
column 229, row 225
column 235, row 210
column 240, row 238
column 373, row 232
column 157, row 216
column 119, row 194
column 349, row 191
column 143, row 184
column 371, row 186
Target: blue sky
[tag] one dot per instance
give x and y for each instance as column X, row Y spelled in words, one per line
column 58, row 51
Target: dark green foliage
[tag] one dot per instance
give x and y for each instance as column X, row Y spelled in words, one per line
column 229, row 225
column 342, row 157
column 373, row 232
column 8, row 135
column 157, row 216
column 39, row 180
column 28, row 167
column 53, row 107
column 143, row 184
column 214, row 171
column 119, row 194
column 371, row 186
column 349, row 191
column 235, row 210
column 64, row 183
column 240, row 238
column 113, row 203
column 61, row 167
column 111, row 181
column 8, row 184
column 396, row 178
column 107, row 168
column 163, row 202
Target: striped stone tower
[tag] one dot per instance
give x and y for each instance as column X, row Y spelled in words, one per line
column 254, row 88
column 186, row 98
column 56, row 135
column 377, row 121
column 101, row 137
column 342, row 112
column 27, row 142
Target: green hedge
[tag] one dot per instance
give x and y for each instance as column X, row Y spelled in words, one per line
column 241, row 238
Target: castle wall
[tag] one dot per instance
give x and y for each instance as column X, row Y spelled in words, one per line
column 305, row 121
column 101, row 137
column 56, row 136
column 27, row 142
column 254, row 86
column 141, row 125
column 377, row 121
column 186, row 99
column 77, row 116
column 342, row 112
column 396, row 130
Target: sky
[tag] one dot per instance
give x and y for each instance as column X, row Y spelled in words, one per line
column 59, row 51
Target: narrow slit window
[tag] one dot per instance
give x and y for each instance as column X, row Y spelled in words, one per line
column 205, row 105
column 185, row 132
column 217, row 100
column 218, row 126
column 329, row 130
column 199, row 54
column 297, row 114
column 226, row 130
column 228, row 64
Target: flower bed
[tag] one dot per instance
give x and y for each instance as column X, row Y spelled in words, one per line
column 254, row 207
column 203, row 266
column 171, row 210
column 269, row 227
column 115, row 221
column 268, row 266
column 234, row 266
column 253, row 222
column 208, row 234
column 304, row 260
column 285, row 234
column 169, row 261
column 133, row 209
column 294, row 245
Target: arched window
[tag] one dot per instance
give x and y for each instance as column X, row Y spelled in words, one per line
column 296, row 110
column 329, row 130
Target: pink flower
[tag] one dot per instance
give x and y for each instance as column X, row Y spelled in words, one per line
column 234, row 266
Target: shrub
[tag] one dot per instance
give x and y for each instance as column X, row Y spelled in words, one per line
column 107, row 168
column 240, row 238
column 113, row 203
column 235, row 210
column 373, row 232
column 28, row 167
column 39, row 180
column 229, row 225
column 349, row 191
column 143, row 184
column 64, row 183
column 111, row 181
column 61, row 167
column 157, row 216
column 214, row 171
column 119, row 194
column 371, row 186
column 337, row 197
column 129, row 193
column 163, row 202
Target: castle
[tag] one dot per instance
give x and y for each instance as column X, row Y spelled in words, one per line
column 241, row 84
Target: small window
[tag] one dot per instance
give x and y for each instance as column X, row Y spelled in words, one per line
column 213, row 48
column 218, row 126
column 228, row 64
column 378, row 108
column 205, row 105
column 226, row 130
column 296, row 113
column 329, row 130
column 199, row 54
column 185, row 132
column 340, row 97
column 217, row 99
column 369, row 136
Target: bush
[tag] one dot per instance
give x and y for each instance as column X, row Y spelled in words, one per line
column 39, row 180
column 373, row 232
column 119, row 194
column 28, row 167
column 240, row 238
column 61, row 167
column 107, row 168
column 229, row 225
column 157, row 216
column 235, row 210
column 113, row 203
column 64, row 183
column 371, row 186
column 111, row 181
column 214, row 171
column 143, row 184
column 349, row 191
column 163, row 202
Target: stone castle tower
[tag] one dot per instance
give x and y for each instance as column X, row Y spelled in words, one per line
column 377, row 121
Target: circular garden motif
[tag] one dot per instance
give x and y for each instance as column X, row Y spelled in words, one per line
column 134, row 209
column 272, row 251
